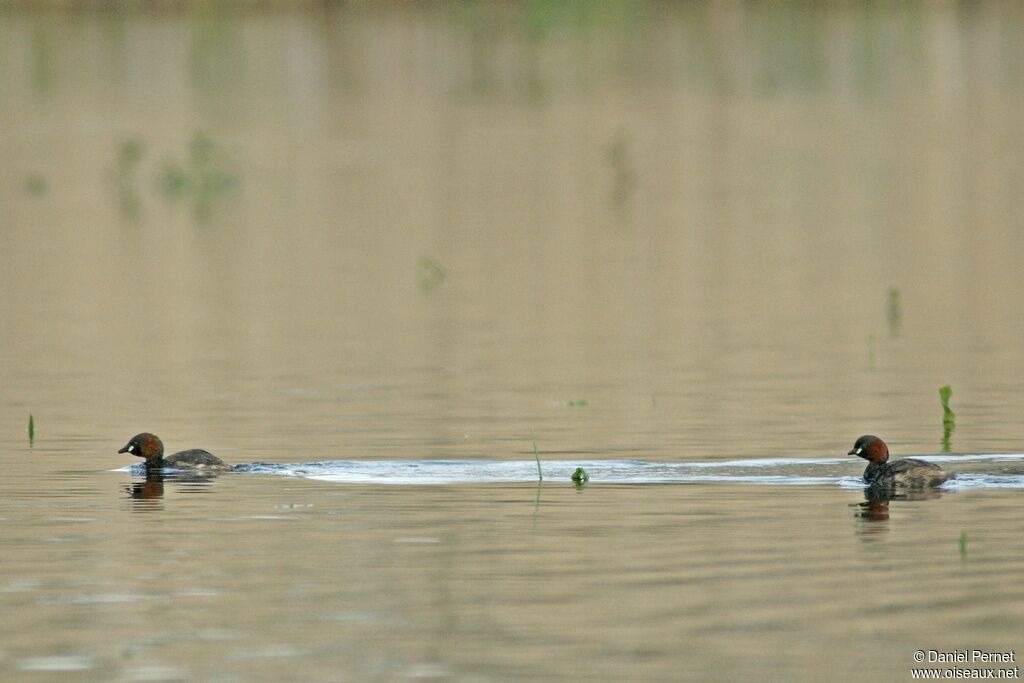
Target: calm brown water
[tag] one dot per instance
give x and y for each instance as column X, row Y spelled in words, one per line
column 419, row 232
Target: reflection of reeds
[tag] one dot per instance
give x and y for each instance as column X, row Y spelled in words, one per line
column 125, row 177
column 963, row 545
column 894, row 312
column 620, row 158
column 31, row 430
column 729, row 48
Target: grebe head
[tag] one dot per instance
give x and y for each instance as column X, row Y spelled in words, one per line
column 870, row 448
column 145, row 445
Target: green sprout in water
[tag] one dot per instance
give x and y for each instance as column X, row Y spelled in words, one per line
column 429, row 273
column 129, row 155
column 35, row 185
column 31, row 430
column 945, row 392
column 201, row 179
column 948, row 416
column 540, row 476
column 580, row 477
column 963, row 545
column 578, row 403
column 174, row 180
column 536, row 454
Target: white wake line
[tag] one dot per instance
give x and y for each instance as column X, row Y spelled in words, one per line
column 677, row 464
column 842, row 471
column 594, row 479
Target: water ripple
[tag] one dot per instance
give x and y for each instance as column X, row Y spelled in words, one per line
column 777, row 471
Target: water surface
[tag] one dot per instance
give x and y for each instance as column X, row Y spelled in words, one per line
column 698, row 249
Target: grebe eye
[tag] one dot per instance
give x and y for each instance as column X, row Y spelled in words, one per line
column 131, row 448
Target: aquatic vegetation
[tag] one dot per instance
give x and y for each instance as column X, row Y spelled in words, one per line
column 580, row 476
column 948, row 416
column 201, row 178
column 43, row 50
column 429, row 273
column 963, row 545
column 129, row 155
column 894, row 312
column 578, row 403
column 36, row 185
column 31, row 430
column 125, row 176
column 541, row 18
column 536, row 454
column 947, row 413
column 173, row 180
column 620, row 158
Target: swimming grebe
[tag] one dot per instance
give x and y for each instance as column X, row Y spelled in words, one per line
column 150, row 447
column 906, row 473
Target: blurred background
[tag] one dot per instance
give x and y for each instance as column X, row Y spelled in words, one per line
column 426, row 229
